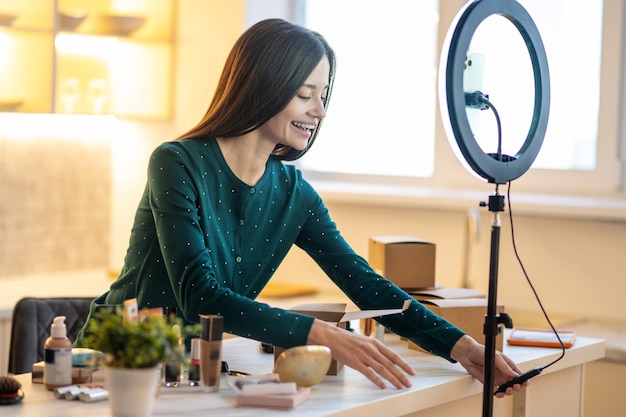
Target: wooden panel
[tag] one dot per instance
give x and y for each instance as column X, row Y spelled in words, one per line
column 556, row 394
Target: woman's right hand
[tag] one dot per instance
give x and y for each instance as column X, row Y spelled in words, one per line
column 365, row 354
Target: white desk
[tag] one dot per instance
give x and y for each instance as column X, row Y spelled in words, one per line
column 439, row 389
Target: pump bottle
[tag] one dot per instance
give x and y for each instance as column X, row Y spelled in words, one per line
column 57, row 371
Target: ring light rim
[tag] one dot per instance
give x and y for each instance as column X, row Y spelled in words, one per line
column 485, row 165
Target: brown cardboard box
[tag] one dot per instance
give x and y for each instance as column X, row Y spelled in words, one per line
column 336, row 313
column 406, row 261
column 468, row 314
column 446, row 293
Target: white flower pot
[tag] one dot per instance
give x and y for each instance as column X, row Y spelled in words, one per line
column 132, row 392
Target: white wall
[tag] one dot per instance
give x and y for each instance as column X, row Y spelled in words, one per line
column 262, row 9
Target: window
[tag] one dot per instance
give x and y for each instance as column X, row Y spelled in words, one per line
column 383, row 120
column 574, row 56
column 381, row 112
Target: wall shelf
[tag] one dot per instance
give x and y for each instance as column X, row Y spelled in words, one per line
column 87, row 57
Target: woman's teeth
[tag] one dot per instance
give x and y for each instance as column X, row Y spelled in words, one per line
column 303, row 125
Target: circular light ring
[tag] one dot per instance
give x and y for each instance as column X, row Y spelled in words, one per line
column 485, row 165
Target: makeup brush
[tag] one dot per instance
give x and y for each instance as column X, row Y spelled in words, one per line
column 10, row 390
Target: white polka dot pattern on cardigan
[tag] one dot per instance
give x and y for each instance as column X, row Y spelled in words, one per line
column 206, row 242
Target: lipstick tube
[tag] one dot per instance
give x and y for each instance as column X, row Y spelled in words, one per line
column 194, row 363
column 211, row 351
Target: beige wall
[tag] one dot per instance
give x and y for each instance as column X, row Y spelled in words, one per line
column 55, row 190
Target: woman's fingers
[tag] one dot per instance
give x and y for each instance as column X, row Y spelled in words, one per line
column 364, row 354
column 377, row 362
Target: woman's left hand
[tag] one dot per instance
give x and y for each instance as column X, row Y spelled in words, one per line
column 471, row 355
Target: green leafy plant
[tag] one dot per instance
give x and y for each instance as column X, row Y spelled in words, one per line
column 145, row 343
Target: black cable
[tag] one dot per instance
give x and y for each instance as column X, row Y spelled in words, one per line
column 532, row 287
column 495, row 113
column 478, row 100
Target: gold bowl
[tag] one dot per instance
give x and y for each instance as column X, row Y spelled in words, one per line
column 304, row 365
column 7, row 19
column 10, row 105
column 69, row 21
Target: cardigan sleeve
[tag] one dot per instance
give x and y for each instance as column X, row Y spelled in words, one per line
column 368, row 290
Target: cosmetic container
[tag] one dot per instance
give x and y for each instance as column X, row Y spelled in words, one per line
column 94, row 395
column 74, row 393
column 211, row 351
column 57, row 370
column 59, row 392
column 194, row 363
column 172, row 367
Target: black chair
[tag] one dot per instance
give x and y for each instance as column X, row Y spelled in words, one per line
column 30, row 327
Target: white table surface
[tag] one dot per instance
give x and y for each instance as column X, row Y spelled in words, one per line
column 437, row 383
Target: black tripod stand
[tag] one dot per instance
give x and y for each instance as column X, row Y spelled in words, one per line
column 492, row 318
column 495, row 170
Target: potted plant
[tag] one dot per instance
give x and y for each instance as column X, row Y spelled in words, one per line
column 133, row 351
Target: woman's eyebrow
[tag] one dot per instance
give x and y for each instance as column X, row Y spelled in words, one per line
column 313, row 86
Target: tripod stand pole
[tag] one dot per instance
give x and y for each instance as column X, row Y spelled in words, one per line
column 492, row 318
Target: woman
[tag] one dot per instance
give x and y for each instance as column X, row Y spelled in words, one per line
column 220, row 211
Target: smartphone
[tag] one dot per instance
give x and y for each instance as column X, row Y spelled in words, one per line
column 473, row 72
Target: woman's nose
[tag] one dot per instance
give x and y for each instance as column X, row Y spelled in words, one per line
column 319, row 111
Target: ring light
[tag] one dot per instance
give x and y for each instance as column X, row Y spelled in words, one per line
column 485, row 165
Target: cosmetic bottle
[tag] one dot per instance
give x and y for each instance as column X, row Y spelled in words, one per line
column 211, row 351
column 172, row 367
column 194, row 363
column 57, row 371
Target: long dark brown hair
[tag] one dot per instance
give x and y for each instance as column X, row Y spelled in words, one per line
column 267, row 65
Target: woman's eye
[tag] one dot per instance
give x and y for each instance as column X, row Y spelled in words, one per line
column 306, row 98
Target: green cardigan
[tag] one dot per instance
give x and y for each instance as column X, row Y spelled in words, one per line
column 207, row 243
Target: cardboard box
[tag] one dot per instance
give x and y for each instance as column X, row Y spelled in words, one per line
column 336, row 313
column 279, row 401
column 468, row 314
column 79, row 375
column 268, row 391
column 446, row 293
column 406, row 261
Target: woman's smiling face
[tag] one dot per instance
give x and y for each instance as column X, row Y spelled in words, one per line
column 294, row 125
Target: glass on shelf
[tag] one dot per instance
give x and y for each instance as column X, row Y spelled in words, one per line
column 97, row 95
column 69, row 93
